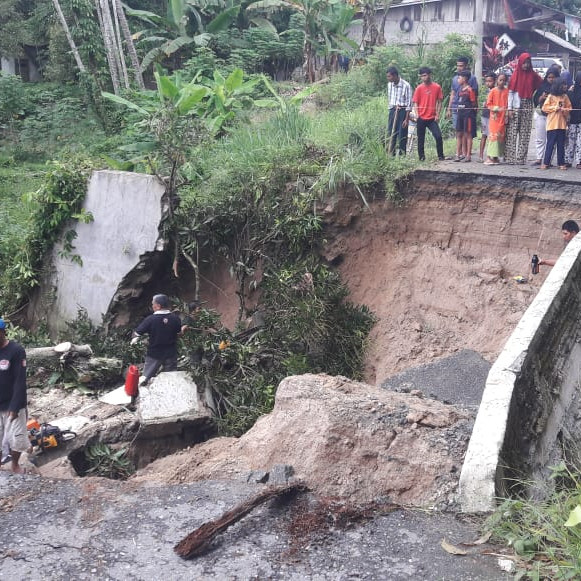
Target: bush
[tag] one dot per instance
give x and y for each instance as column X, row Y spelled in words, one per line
column 545, row 535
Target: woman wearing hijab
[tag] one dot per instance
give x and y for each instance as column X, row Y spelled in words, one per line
column 541, row 118
column 523, row 84
column 573, row 149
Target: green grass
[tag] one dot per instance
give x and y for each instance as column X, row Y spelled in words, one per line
column 15, row 211
column 544, row 547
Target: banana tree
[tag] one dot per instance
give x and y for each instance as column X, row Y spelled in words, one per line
column 322, row 17
column 184, row 25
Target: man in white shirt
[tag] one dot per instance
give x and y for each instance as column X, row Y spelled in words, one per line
column 399, row 98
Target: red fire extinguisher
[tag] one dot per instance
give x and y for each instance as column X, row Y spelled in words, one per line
column 132, row 381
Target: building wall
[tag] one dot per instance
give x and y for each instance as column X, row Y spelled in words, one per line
column 127, row 209
column 433, row 21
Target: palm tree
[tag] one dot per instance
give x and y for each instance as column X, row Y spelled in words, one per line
column 69, row 36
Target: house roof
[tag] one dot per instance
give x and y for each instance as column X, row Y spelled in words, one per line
column 558, row 40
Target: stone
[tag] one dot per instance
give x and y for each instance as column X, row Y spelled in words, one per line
column 280, row 474
column 72, row 423
column 170, row 396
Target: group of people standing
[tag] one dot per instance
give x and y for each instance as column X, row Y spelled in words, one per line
column 506, row 114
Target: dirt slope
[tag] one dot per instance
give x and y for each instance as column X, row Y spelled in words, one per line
column 438, row 270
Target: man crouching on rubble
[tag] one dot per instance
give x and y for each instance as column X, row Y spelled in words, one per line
column 163, row 328
column 13, row 398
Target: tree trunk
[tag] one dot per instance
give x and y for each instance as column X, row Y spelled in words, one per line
column 69, row 36
column 130, row 45
column 52, row 355
column 108, row 21
column 119, row 45
column 106, row 33
column 98, row 372
column 308, row 64
column 197, row 541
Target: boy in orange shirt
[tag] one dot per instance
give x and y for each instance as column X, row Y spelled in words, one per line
column 427, row 103
column 557, row 106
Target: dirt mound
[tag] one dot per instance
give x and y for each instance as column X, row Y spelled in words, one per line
column 343, row 438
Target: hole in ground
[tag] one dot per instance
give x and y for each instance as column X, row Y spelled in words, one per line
column 103, row 457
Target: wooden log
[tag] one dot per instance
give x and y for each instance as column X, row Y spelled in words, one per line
column 197, row 541
column 98, row 371
column 48, row 355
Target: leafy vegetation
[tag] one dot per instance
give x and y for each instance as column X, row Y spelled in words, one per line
column 57, row 202
column 108, row 463
column 250, row 183
column 545, row 535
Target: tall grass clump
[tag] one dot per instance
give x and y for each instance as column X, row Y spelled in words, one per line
column 355, row 141
column 252, row 200
column 545, row 535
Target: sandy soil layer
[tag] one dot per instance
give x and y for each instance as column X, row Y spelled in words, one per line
column 438, row 271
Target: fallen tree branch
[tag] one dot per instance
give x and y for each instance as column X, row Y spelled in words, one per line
column 197, row 541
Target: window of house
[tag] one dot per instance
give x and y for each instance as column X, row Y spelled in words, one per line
column 438, row 11
column 417, row 13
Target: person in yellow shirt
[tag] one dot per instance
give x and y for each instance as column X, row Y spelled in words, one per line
column 557, row 106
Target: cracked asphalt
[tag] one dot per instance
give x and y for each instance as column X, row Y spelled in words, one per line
column 94, row 528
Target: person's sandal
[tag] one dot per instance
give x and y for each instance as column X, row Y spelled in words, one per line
column 543, row 166
column 563, row 167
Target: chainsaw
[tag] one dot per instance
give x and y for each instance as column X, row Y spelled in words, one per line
column 45, row 436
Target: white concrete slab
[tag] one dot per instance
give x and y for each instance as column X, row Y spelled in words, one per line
column 73, row 423
column 170, row 396
column 116, row 397
column 127, row 210
column 477, row 491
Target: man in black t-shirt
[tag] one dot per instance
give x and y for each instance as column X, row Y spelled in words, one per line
column 13, row 398
column 163, row 328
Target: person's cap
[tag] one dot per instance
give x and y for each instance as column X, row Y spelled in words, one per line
column 2, row 324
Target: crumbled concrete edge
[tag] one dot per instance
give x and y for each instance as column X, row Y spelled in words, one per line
column 482, row 468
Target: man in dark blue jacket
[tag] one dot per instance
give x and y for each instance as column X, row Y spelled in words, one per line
column 13, row 398
column 163, row 328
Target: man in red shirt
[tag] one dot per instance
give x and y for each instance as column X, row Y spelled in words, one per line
column 427, row 102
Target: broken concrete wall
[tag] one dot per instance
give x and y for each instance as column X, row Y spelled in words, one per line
column 127, row 209
column 531, row 403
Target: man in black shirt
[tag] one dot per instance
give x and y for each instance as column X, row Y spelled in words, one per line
column 163, row 328
column 13, row 398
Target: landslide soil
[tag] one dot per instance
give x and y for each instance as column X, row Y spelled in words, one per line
column 438, row 271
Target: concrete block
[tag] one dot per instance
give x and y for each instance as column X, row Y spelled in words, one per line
column 552, row 321
column 170, row 397
column 127, row 210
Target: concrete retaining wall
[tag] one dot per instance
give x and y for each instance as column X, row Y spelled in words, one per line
column 529, row 409
column 127, row 209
